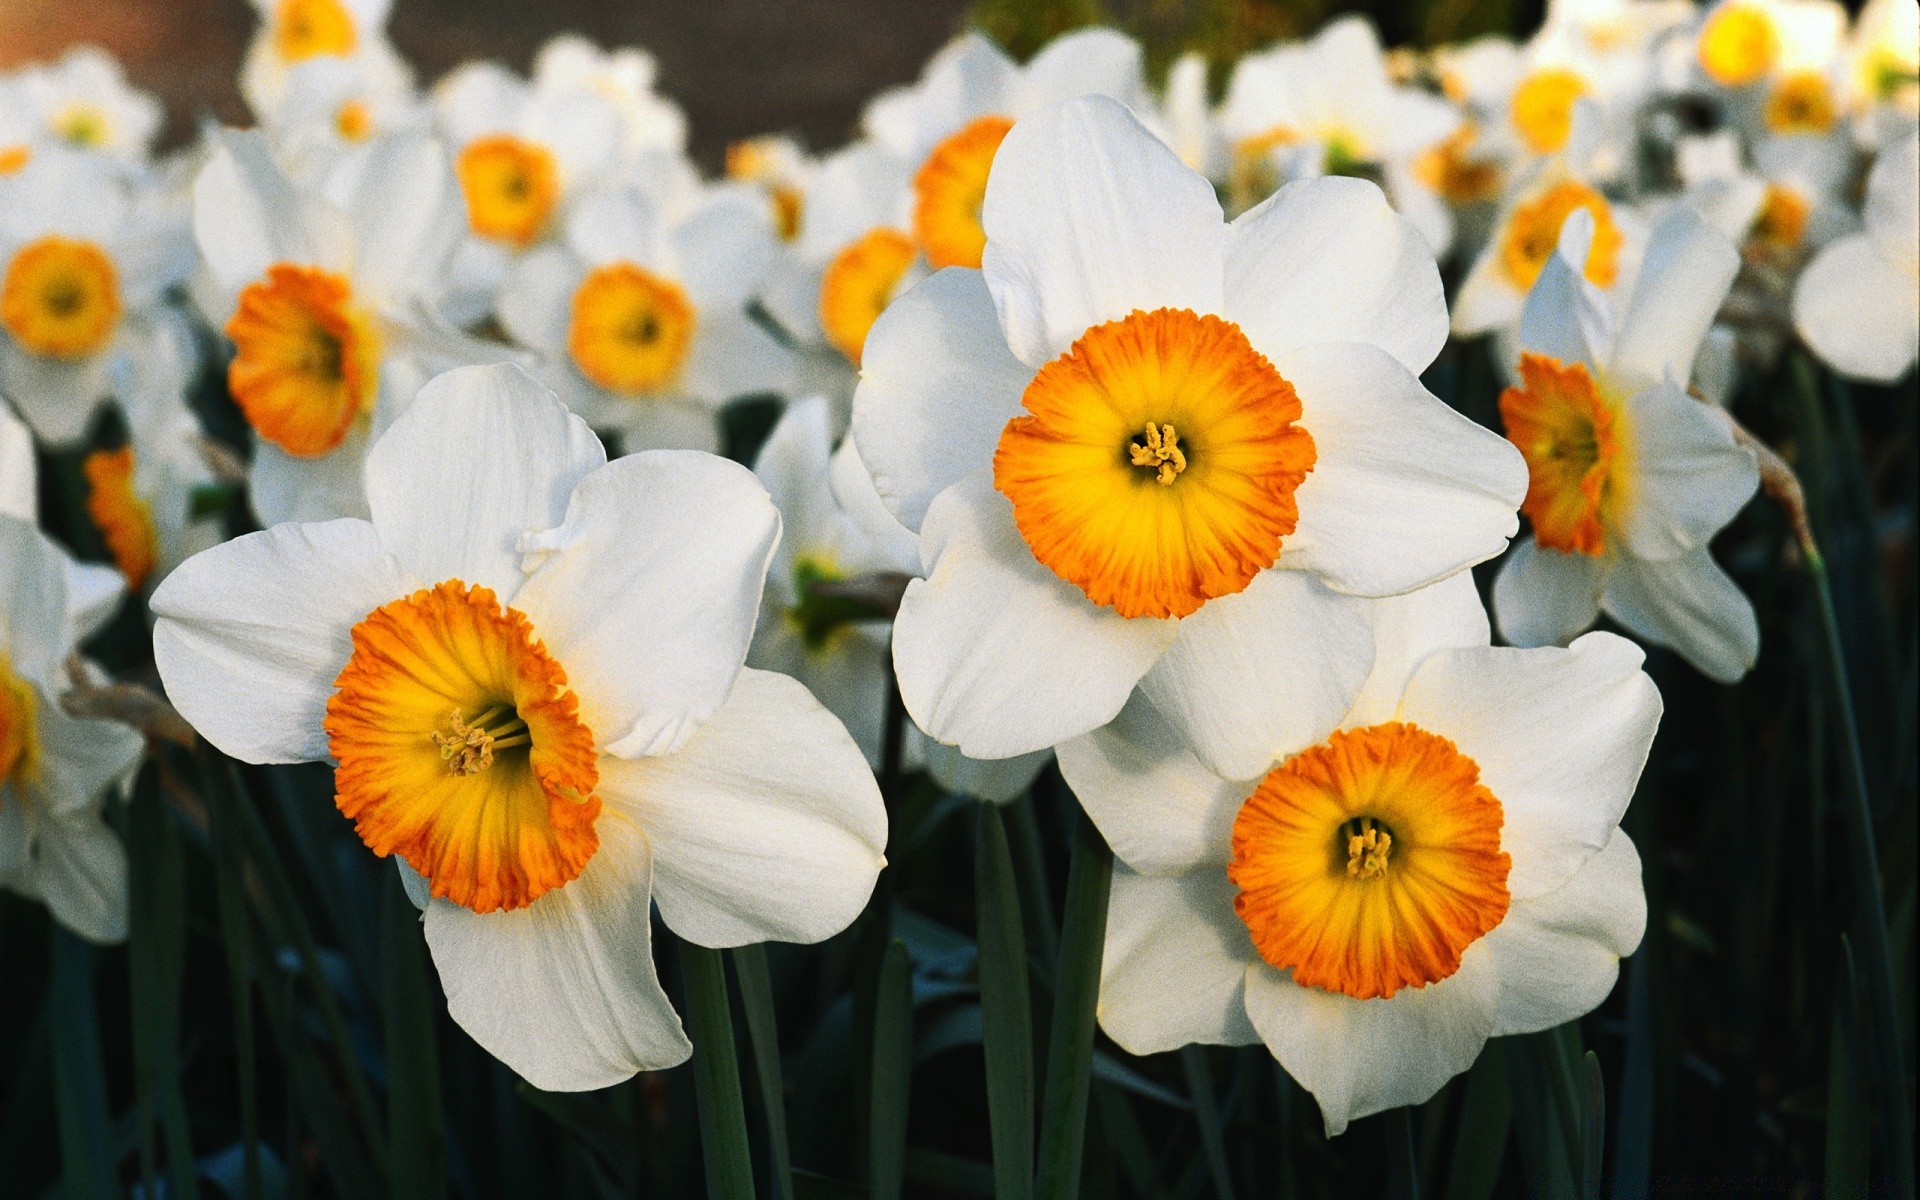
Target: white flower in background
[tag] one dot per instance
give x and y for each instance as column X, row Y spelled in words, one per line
column 1789, row 204
column 83, row 266
column 1441, row 865
column 92, row 592
column 1192, row 125
column 56, row 770
column 527, row 668
column 780, row 168
column 293, row 32
column 1858, row 302
column 522, row 154
column 649, row 121
column 644, row 321
column 327, row 296
column 84, row 102
column 1882, row 72
column 1740, row 44
column 1144, row 446
column 330, row 106
column 18, row 136
column 1629, row 476
column 1326, row 106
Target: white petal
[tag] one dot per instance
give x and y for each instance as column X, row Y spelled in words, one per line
column 483, row 456
column 1256, row 676
column 1406, row 629
column 1086, row 62
column 937, row 386
column 649, row 592
column 1690, row 476
column 408, row 215
column 56, row 396
column 535, row 305
column 94, row 593
column 564, row 990
column 1328, row 260
column 1560, row 736
column 1088, row 217
column 1544, row 597
column 251, row 633
column 891, row 546
column 1892, row 211
column 999, row 780
column 1689, row 266
column 1690, row 605
column 283, row 489
column 84, row 759
column 998, row 655
column 1175, row 968
column 33, row 601
column 733, row 355
column 1360, row 1057
column 1564, row 316
column 766, row 826
column 79, row 870
column 1404, row 490
column 1559, row 954
column 1858, row 311
column 247, row 215
column 1161, row 811
column 19, row 477
column 725, row 251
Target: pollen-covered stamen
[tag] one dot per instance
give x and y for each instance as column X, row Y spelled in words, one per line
column 468, row 747
column 1161, row 453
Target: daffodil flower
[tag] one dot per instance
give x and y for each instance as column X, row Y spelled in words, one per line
column 644, row 321
column 92, row 592
column 1784, row 207
column 649, row 121
column 526, row 669
column 331, row 106
column 83, row 268
column 1439, row 865
column 1881, row 80
column 327, row 293
column 1144, row 446
column 1629, row 477
column 56, row 770
column 295, row 32
column 83, row 102
column 1858, row 302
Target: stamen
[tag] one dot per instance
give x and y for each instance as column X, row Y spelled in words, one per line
column 1162, row 453
column 1368, row 850
column 469, row 746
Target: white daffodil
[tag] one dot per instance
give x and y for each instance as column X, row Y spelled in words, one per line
column 92, row 592
column 643, row 321
column 293, row 32
column 327, row 295
column 1629, row 476
column 1881, row 84
column 1788, row 204
column 56, row 770
column 1440, row 865
column 1327, row 107
column 330, row 106
column 1144, row 446
column 83, row 266
column 1192, row 125
column 527, row 671
column 1858, row 302
column 649, row 121
column 1750, row 49
column 522, row 154
column 84, row 102
column 781, row 169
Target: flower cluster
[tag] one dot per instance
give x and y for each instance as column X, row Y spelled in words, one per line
column 1104, row 437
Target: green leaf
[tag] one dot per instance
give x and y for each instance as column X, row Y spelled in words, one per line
column 79, row 1077
column 951, row 1172
column 415, row 1141
column 1849, row 1113
column 156, row 955
column 1593, row 1121
column 892, row 1074
column 716, row 1075
column 1480, row 1143
column 1063, row 1117
column 1006, row 1014
column 763, row 1036
column 1206, row 1111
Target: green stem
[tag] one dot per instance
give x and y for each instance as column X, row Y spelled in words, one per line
column 1063, row 1121
column 716, row 1075
column 1403, row 1177
column 763, row 1035
column 1006, row 1011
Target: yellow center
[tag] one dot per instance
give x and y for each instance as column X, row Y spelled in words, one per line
column 949, row 189
column 1532, row 234
column 304, row 29
column 1738, row 45
column 461, row 749
column 859, row 284
column 306, row 365
column 82, row 125
column 1801, row 103
column 12, row 158
column 512, row 187
column 1156, row 464
column 1783, row 217
column 1454, row 172
column 630, row 330
column 1370, row 862
column 1543, row 108
column 1574, row 439
column 354, row 121
column 19, row 713
column 123, row 518
column 61, row 298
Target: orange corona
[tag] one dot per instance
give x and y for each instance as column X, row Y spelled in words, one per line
column 858, row 285
column 1532, row 234
column 630, row 330
column 512, row 188
column 124, row 519
column 1574, row 440
column 306, row 365
column 304, row 29
column 61, row 298
column 949, row 189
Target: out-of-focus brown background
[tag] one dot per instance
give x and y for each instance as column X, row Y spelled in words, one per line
column 738, row 66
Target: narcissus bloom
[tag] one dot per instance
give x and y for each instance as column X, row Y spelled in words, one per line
column 527, row 670
column 93, row 592
column 327, row 294
column 1142, row 442
column 83, row 102
column 1858, row 302
column 1442, row 866
column 643, row 319
column 56, row 770
column 649, row 121
column 293, row 32
column 1629, row 476
column 1881, row 80
column 83, row 267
